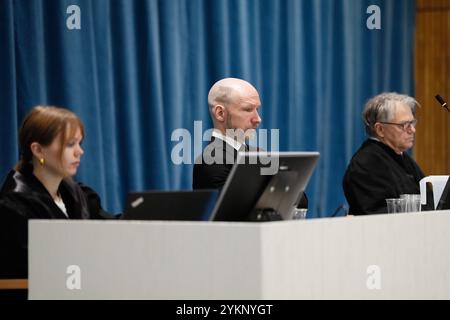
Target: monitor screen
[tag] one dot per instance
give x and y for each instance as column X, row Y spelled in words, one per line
column 264, row 186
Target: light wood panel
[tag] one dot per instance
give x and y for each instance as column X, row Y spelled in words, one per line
column 9, row 284
column 432, row 4
column 432, row 149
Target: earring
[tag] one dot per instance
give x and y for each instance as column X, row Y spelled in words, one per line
column 41, row 161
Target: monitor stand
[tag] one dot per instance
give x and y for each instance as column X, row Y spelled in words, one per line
column 273, row 196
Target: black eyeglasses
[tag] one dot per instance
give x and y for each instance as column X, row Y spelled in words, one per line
column 404, row 125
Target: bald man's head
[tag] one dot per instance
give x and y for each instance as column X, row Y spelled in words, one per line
column 233, row 104
column 226, row 90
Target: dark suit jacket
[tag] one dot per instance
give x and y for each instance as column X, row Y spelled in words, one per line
column 212, row 168
column 24, row 197
column 376, row 173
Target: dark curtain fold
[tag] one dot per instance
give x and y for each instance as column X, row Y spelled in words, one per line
column 138, row 70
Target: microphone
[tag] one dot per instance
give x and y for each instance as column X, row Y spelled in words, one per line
column 442, row 102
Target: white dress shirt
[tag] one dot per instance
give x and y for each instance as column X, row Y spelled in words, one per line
column 239, row 146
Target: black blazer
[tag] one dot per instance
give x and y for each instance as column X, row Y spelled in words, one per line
column 376, row 173
column 24, row 197
column 212, row 168
column 210, row 174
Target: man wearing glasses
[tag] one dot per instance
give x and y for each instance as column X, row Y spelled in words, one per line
column 381, row 168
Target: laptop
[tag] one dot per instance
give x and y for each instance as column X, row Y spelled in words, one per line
column 194, row 205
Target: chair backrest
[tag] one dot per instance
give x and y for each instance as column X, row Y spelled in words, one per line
column 438, row 185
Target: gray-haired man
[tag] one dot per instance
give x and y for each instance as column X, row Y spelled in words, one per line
column 381, row 168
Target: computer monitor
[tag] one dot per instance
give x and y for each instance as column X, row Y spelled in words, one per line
column 264, row 186
column 444, row 202
column 194, row 205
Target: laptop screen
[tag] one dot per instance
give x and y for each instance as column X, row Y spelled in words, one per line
column 194, row 205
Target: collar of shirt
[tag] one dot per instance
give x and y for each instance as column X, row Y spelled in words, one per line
column 234, row 143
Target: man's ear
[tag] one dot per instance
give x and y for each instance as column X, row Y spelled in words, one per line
column 219, row 113
column 379, row 129
column 37, row 150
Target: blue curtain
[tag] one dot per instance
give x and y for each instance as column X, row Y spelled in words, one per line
column 138, row 70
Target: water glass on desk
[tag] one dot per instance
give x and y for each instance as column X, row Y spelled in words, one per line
column 412, row 202
column 299, row 213
column 396, row 205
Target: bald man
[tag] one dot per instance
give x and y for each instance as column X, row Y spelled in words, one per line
column 233, row 106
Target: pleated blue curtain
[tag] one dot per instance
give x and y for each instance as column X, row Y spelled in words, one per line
column 138, row 70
